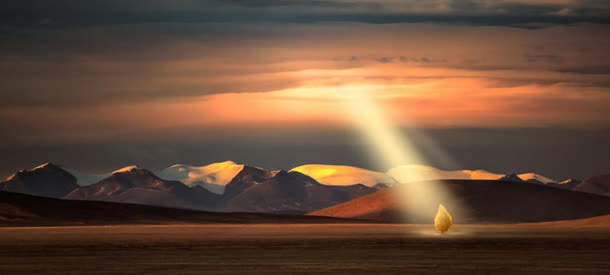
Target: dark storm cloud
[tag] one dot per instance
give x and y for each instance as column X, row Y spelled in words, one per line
column 529, row 9
column 73, row 76
column 69, row 13
column 393, row 59
column 508, row 82
column 549, row 58
column 465, row 5
column 587, row 70
column 126, row 63
column 300, row 3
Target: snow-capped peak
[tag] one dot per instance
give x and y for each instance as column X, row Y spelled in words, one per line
column 416, row 172
column 213, row 176
column 42, row 165
column 127, row 169
column 343, row 175
column 13, row 175
column 534, row 176
column 568, row 181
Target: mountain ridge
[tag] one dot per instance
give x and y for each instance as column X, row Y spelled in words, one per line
column 47, row 180
column 136, row 185
column 251, row 188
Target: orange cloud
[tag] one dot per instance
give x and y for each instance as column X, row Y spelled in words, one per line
column 423, row 74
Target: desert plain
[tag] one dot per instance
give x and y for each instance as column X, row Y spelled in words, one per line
column 575, row 247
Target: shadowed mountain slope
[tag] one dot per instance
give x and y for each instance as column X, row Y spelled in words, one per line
column 213, row 176
column 26, row 210
column 47, row 180
column 258, row 190
column 251, row 190
column 483, row 201
column 140, row 186
column 596, row 185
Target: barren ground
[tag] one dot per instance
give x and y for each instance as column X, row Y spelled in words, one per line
column 303, row 248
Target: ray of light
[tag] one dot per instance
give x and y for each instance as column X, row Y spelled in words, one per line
column 419, row 200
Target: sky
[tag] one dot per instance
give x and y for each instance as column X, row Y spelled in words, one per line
column 507, row 85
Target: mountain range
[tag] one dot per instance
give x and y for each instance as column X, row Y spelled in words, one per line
column 140, row 186
column 259, row 190
column 252, row 189
column 214, row 177
column 313, row 188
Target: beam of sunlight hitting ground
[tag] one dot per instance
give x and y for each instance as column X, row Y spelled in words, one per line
column 419, row 200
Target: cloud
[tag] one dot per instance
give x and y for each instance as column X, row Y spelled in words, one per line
column 302, row 3
column 185, row 71
column 71, row 13
column 148, row 62
column 550, row 58
column 394, row 59
column 465, row 5
column 600, row 70
column 103, row 81
column 513, row 82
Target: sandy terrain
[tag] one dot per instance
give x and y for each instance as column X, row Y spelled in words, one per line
column 480, row 201
column 302, row 248
column 599, row 221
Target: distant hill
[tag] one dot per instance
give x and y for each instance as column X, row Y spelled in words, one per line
column 213, row 177
column 566, row 184
column 140, row 186
column 251, row 190
column 27, row 210
column 597, row 185
column 414, row 172
column 228, row 186
column 344, row 175
column 47, row 180
column 484, row 202
column 255, row 189
column 512, row 178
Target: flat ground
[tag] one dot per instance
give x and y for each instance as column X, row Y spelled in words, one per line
column 303, row 248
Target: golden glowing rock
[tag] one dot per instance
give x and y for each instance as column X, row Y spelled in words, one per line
column 443, row 219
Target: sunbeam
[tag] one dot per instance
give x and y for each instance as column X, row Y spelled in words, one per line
column 389, row 148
